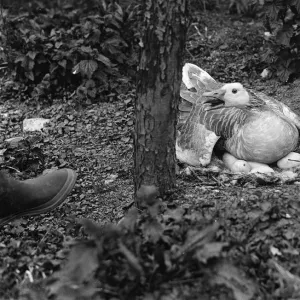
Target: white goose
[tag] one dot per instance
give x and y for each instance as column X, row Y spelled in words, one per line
column 254, row 127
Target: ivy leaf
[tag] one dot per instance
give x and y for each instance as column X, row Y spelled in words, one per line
column 285, row 34
column 63, row 63
column 296, row 3
column 86, row 49
column 86, row 67
column 273, row 7
column 285, row 69
column 29, row 75
column 91, row 90
column 32, row 54
column 19, row 58
column 26, row 62
column 90, row 84
column 81, row 92
column 58, row 44
column 105, row 60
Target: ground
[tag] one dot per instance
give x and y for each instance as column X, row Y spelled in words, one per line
column 260, row 220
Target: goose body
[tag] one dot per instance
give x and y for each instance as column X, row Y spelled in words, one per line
column 252, row 126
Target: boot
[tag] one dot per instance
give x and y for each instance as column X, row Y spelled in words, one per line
column 34, row 196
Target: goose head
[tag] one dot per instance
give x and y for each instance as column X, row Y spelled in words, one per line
column 230, row 94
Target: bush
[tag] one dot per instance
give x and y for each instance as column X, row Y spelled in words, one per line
column 282, row 37
column 249, row 8
column 145, row 255
column 50, row 50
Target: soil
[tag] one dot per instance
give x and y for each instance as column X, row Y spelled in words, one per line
column 96, row 141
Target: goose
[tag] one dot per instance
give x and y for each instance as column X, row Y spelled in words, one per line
column 255, row 130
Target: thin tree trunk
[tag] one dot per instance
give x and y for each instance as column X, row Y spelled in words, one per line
column 159, row 80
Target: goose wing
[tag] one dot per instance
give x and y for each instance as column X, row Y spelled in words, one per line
column 224, row 122
column 204, row 128
column 195, row 82
column 278, row 107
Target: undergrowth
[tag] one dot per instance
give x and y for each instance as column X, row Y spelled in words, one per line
column 50, row 50
column 160, row 253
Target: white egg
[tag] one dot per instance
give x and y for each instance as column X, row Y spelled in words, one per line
column 235, row 165
column 260, row 168
column 292, row 160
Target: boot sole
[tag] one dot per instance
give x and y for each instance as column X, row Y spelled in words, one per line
column 48, row 206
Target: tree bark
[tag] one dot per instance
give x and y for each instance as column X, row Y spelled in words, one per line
column 158, row 85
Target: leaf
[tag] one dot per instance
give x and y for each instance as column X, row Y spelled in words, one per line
column 285, row 34
column 29, row 75
column 91, row 228
column 152, row 230
column 20, row 58
column 284, row 71
column 86, row 49
column 273, row 7
column 129, row 221
column 82, row 263
column 86, row 67
column 209, row 250
column 92, row 92
column 90, row 84
column 32, row 54
column 227, row 274
column 81, row 92
column 80, row 268
column 105, row 60
column 58, row 45
column 63, row 63
column 199, row 239
column 131, row 258
column 118, row 12
column 291, row 279
column 26, row 62
column 296, row 3
column 115, row 41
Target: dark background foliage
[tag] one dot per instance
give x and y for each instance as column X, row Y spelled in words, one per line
column 54, row 46
column 58, row 46
column 87, row 51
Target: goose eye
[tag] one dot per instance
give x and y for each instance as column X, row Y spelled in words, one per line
column 234, row 91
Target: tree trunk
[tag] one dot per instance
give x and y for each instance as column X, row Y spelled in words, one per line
column 159, row 80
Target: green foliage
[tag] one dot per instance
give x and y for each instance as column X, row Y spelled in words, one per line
column 205, row 4
column 283, row 37
column 54, row 49
column 143, row 254
column 246, row 7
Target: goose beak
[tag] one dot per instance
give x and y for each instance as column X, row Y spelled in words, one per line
column 219, row 94
column 215, row 99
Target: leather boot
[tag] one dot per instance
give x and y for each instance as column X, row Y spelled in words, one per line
column 34, row 196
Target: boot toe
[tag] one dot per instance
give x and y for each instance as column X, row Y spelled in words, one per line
column 39, row 195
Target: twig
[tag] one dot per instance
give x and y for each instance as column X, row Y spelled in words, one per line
column 8, row 167
column 188, row 51
column 198, row 31
column 195, row 174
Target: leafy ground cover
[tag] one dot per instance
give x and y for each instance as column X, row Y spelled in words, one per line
column 212, row 230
